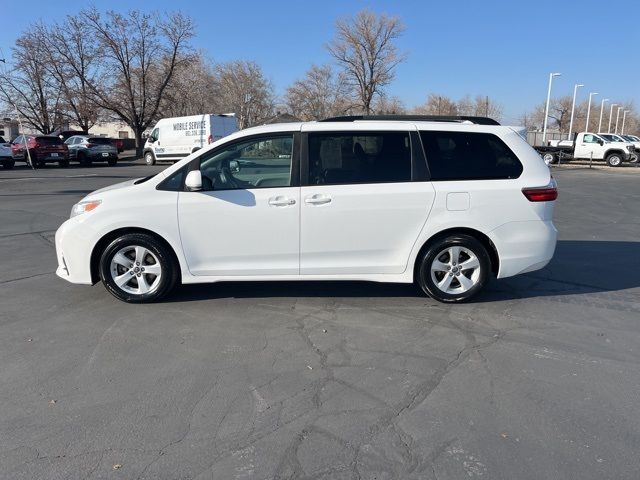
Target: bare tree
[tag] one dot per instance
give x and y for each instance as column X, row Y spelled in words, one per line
column 139, row 54
column 28, row 88
column 365, row 50
column 320, row 94
column 481, row 106
column 437, row 105
column 385, row 105
column 193, row 90
column 73, row 60
column 245, row 91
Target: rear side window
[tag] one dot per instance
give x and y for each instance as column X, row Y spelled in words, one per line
column 469, row 156
column 359, row 157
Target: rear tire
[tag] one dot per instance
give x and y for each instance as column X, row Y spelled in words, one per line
column 614, row 159
column 84, row 161
column 454, row 268
column 112, row 162
column 8, row 165
column 63, row 163
column 123, row 264
column 149, row 158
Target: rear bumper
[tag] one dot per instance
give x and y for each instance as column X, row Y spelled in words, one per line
column 524, row 246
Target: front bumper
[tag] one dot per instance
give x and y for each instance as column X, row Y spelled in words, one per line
column 524, row 246
column 73, row 251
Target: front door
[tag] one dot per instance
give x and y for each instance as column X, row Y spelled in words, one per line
column 361, row 211
column 588, row 146
column 246, row 221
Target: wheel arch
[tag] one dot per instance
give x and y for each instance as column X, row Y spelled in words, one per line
column 612, row 151
column 112, row 235
column 478, row 235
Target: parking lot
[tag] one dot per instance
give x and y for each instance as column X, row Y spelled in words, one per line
column 536, row 379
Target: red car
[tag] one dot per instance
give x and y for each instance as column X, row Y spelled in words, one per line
column 42, row 148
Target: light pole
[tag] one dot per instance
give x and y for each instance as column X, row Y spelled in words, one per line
column 546, row 110
column 611, row 116
column 601, row 109
column 573, row 106
column 586, row 128
column 617, row 118
column 624, row 118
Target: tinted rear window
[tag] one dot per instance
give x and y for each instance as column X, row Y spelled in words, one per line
column 48, row 140
column 469, row 156
column 101, row 141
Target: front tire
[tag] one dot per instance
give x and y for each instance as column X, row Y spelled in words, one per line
column 614, row 160
column 8, row 164
column 138, row 268
column 454, row 268
column 550, row 158
column 149, row 158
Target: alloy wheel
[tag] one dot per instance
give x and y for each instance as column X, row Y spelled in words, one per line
column 455, row 270
column 136, row 270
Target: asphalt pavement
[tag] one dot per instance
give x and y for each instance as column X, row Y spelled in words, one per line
column 536, row 379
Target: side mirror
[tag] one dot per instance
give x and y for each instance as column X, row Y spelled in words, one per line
column 193, row 182
column 601, row 142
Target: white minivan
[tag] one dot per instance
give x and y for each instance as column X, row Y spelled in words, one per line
column 172, row 139
column 442, row 202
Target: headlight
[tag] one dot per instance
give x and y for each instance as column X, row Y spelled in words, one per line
column 83, row 207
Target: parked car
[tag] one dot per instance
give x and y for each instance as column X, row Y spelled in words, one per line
column 41, row 149
column 587, row 146
column 6, row 157
column 172, row 139
column 443, row 203
column 87, row 149
column 65, row 134
column 635, row 145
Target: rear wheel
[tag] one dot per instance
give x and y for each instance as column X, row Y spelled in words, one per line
column 84, row 161
column 149, row 158
column 63, row 163
column 138, row 268
column 112, row 162
column 614, row 159
column 8, row 164
column 454, row 268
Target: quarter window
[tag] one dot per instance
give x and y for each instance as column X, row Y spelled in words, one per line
column 359, row 157
column 263, row 162
column 468, row 156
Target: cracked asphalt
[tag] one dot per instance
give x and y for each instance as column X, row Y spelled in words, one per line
column 537, row 379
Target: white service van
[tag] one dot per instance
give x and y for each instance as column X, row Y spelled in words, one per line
column 174, row 138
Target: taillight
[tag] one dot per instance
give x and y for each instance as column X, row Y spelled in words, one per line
column 541, row 194
column 210, row 139
column 89, row 145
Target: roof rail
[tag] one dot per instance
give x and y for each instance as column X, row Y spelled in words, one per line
column 416, row 118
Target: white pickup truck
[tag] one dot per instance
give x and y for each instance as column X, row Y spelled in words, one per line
column 587, row 146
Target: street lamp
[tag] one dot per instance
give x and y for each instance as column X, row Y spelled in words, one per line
column 624, row 118
column 617, row 118
column 611, row 116
column 573, row 106
column 589, row 110
column 601, row 109
column 546, row 110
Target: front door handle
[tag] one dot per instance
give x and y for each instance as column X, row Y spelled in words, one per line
column 317, row 199
column 281, row 201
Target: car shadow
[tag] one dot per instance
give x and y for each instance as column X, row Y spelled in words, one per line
column 578, row 267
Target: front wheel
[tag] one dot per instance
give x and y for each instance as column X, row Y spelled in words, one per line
column 454, row 268
column 149, row 158
column 8, row 164
column 614, row 160
column 550, row 158
column 138, row 268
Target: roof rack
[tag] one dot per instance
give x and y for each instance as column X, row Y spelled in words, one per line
column 415, row 118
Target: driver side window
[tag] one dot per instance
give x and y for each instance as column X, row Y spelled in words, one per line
column 261, row 162
column 590, row 139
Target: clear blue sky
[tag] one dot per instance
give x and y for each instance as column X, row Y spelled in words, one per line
column 504, row 49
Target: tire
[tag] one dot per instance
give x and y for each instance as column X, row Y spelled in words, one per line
column 34, row 159
column 438, row 265
column 63, row 163
column 633, row 158
column 150, row 252
column 149, row 158
column 614, row 159
column 8, row 164
column 84, row 161
column 112, row 162
column 550, row 158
